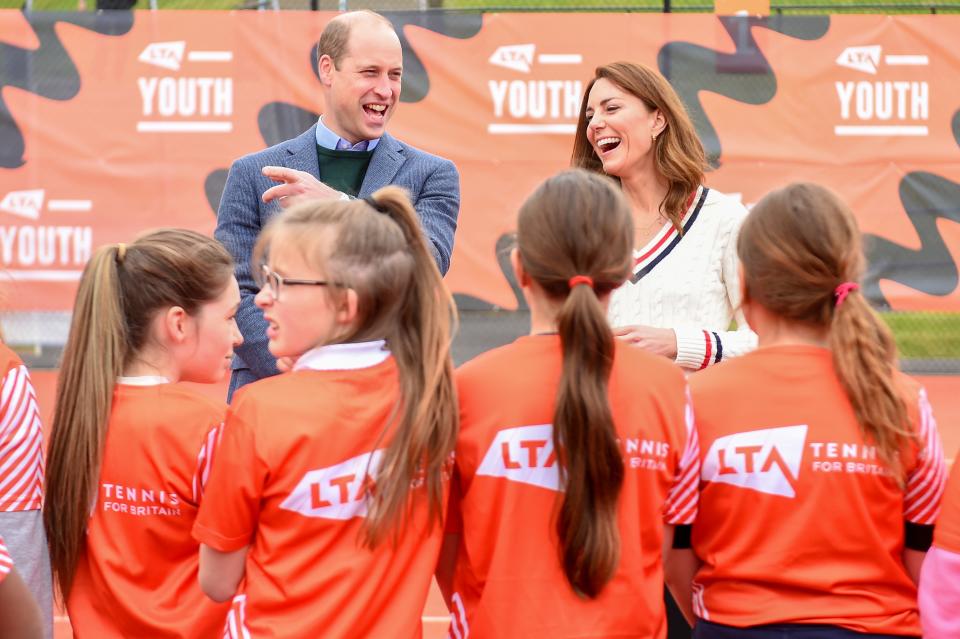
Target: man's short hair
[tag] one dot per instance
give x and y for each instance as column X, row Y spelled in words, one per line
column 336, row 35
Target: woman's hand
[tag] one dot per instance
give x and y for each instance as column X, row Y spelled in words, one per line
column 660, row 341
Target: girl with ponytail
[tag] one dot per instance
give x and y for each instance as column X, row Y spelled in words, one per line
column 328, row 494
column 130, row 449
column 576, row 455
column 824, row 471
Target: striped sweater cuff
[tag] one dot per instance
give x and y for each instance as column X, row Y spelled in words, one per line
column 697, row 348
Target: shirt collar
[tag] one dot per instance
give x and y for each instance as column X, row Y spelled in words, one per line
column 143, row 380
column 329, row 140
column 343, row 357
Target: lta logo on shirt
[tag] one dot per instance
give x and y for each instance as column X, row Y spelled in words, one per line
column 766, row 460
column 336, row 492
column 523, row 454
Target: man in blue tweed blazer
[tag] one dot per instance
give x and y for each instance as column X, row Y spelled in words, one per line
column 348, row 153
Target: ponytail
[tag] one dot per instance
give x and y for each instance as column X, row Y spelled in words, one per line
column 582, row 422
column 864, row 355
column 574, row 238
column 120, row 292
column 92, row 360
column 419, row 340
column 801, row 255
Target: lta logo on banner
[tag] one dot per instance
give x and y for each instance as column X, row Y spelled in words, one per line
column 895, row 107
column 185, row 103
column 32, row 251
column 535, row 106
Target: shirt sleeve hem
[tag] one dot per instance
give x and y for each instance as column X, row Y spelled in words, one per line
column 217, row 541
column 691, row 348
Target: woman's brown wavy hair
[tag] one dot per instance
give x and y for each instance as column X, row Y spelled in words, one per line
column 679, row 156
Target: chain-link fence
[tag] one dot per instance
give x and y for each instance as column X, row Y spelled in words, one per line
column 776, row 6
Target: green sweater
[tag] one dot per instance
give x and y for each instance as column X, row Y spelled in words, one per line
column 343, row 170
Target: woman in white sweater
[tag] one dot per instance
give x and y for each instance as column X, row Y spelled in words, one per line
column 685, row 291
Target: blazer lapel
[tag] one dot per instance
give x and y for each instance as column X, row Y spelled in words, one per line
column 302, row 152
column 386, row 161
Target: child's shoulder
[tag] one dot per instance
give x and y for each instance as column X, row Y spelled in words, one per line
column 488, row 360
column 184, row 401
column 281, row 391
column 639, row 364
column 729, row 374
column 505, row 364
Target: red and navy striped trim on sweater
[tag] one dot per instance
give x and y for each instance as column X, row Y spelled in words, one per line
column 713, row 347
column 645, row 263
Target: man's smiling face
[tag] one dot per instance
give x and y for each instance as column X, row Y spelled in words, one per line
column 363, row 90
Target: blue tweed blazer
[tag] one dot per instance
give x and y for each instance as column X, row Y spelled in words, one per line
column 433, row 183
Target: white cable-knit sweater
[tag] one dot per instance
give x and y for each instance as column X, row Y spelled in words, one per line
column 690, row 283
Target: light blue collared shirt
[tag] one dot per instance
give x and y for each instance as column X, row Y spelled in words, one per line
column 330, row 140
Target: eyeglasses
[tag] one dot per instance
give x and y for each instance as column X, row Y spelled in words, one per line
column 276, row 281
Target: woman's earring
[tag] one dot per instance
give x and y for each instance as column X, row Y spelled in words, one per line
column 653, row 137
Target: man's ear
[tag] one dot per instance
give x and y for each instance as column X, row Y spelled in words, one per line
column 523, row 278
column 325, row 69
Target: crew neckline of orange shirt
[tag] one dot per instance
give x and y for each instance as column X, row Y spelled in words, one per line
column 812, row 349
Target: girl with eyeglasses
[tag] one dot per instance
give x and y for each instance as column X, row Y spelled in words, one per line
column 325, row 505
column 130, row 449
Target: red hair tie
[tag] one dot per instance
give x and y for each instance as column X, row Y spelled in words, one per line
column 580, row 279
column 843, row 290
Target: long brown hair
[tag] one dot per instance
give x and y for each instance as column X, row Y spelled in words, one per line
column 797, row 245
column 679, row 156
column 120, row 292
column 382, row 255
column 579, row 223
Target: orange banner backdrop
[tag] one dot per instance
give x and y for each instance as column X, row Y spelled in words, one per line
column 111, row 125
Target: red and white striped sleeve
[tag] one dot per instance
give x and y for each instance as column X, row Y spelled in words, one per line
column 681, row 505
column 927, row 479
column 205, row 461
column 6, row 562
column 21, row 443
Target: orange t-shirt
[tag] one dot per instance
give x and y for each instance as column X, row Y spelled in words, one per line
column 509, row 581
column 800, row 521
column 21, row 437
column 295, row 463
column 947, row 533
column 137, row 575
